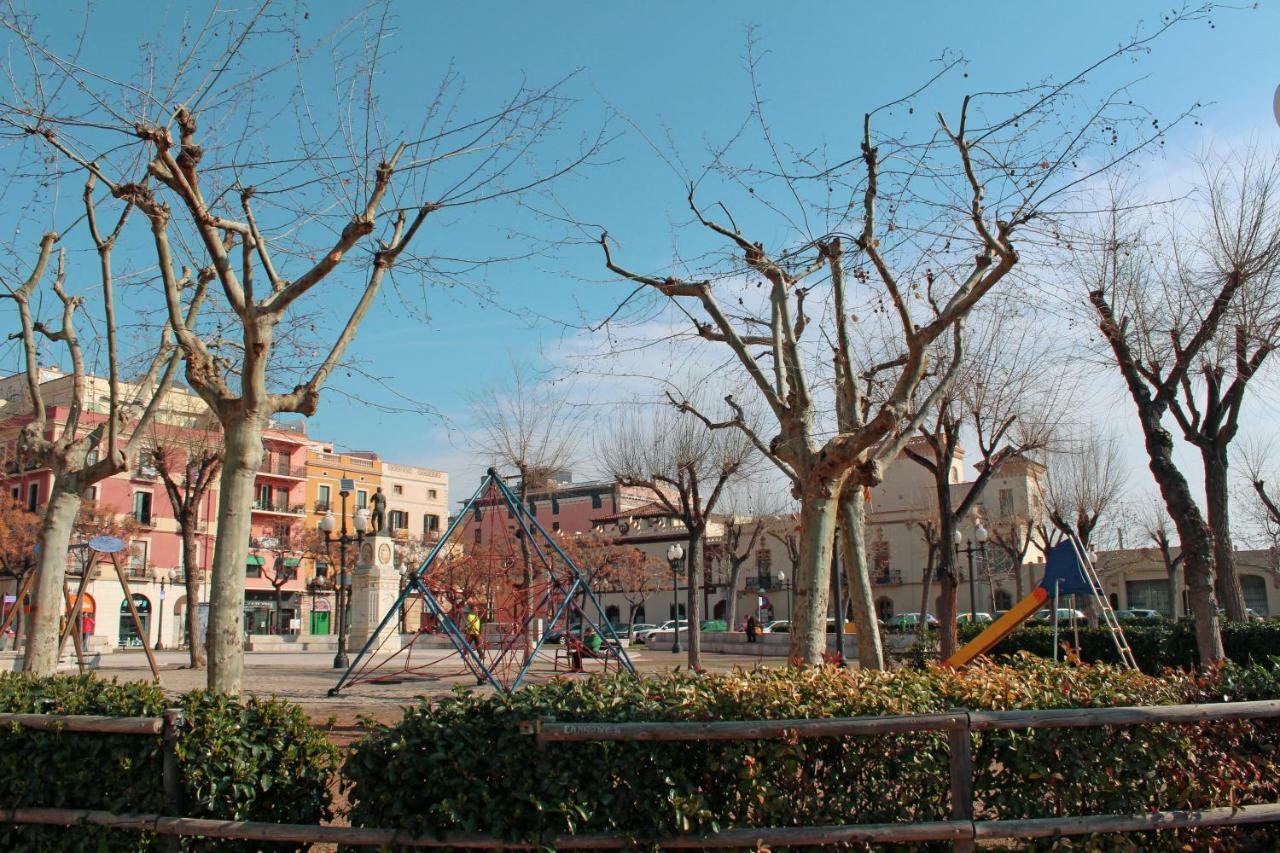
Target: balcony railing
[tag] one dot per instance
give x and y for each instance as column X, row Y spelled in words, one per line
column 270, row 506
column 146, row 472
column 886, row 576
column 322, row 506
column 297, row 472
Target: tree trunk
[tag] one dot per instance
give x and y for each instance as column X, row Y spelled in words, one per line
column 48, row 598
column 189, row 559
column 812, row 577
column 731, row 593
column 225, row 637
column 926, row 582
column 853, row 528
column 1217, row 506
column 1193, row 534
column 948, row 578
column 1175, row 594
column 693, row 605
column 1017, row 578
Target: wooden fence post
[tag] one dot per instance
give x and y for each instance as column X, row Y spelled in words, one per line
column 173, row 797
column 960, row 742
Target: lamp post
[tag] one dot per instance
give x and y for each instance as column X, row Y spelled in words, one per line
column 675, row 556
column 782, row 582
column 160, row 620
column 979, row 535
column 327, row 524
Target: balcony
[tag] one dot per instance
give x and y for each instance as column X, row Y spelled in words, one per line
column 322, row 506
column 145, row 472
column 278, row 508
column 288, row 472
column 886, row 576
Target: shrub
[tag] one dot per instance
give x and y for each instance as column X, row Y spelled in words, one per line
column 1156, row 645
column 459, row 763
column 250, row 760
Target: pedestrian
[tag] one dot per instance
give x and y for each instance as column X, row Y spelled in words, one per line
column 86, row 630
column 752, row 629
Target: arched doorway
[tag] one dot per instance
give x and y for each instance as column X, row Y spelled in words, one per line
column 884, row 608
column 320, row 610
column 180, row 620
column 1004, row 601
column 129, row 637
column 611, row 614
column 717, row 611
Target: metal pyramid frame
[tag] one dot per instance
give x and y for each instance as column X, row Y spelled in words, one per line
column 563, row 592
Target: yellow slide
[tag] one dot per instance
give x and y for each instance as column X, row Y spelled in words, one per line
column 999, row 629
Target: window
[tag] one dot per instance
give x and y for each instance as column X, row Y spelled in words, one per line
column 431, row 493
column 264, row 497
column 362, row 499
column 764, row 560
column 884, row 609
column 142, row 507
column 555, row 526
column 1255, row 594
column 398, row 519
column 282, row 500
column 1006, row 503
column 430, row 523
column 138, row 557
column 16, row 493
column 253, row 566
column 596, row 503
column 1148, row 595
column 555, row 506
column 33, row 497
column 322, row 569
column 533, row 506
column 322, row 498
column 477, row 536
column 399, row 490
column 880, row 558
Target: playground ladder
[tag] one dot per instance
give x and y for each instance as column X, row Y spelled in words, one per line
column 1108, row 614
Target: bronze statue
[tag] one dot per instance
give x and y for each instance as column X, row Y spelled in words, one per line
column 378, row 519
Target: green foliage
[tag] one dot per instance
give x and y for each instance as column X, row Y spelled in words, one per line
column 1157, row 645
column 251, row 760
column 713, row 626
column 459, row 763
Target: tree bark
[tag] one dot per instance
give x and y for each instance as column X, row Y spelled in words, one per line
column 731, row 592
column 48, row 595
column 948, row 579
column 225, row 638
column 818, row 510
column 853, row 529
column 923, row 628
column 195, row 648
column 693, row 600
column 1217, row 507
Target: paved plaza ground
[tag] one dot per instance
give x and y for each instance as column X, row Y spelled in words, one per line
column 305, row 678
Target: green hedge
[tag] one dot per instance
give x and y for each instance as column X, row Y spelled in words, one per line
column 1156, row 645
column 459, row 763
column 250, row 760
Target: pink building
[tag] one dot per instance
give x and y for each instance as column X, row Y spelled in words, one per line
column 275, row 546
column 566, row 506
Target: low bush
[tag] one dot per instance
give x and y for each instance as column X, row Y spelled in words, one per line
column 460, row 763
column 239, row 760
column 1156, row 645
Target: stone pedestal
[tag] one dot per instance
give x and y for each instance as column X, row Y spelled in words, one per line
column 375, row 585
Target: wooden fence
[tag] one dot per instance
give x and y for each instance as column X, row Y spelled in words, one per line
column 962, row 829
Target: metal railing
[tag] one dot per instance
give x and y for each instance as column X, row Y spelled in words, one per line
column 887, row 576
column 962, row 829
column 295, row 471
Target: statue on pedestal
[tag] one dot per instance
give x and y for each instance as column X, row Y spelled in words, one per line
column 377, row 521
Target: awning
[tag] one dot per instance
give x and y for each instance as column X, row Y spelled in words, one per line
column 292, row 562
column 253, row 560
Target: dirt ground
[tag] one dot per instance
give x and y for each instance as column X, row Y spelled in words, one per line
column 306, row 677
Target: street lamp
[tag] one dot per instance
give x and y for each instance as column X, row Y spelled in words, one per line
column 675, row 556
column 160, row 622
column 782, row 582
column 979, row 535
column 327, row 524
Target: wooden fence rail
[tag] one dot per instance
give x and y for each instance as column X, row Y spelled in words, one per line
column 961, row 830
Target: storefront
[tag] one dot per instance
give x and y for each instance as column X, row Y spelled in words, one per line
column 129, row 636
column 260, row 615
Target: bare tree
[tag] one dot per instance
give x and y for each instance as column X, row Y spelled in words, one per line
column 344, row 204
column 1000, row 395
column 1160, row 305
column 685, row 467
column 1014, row 537
column 1001, row 162
column 741, row 535
column 1242, row 196
column 1084, row 478
column 1158, row 530
column 188, row 465
column 1254, row 456
column 84, row 448
column 527, row 427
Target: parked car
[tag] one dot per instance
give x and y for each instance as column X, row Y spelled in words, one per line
column 643, row 626
column 909, row 621
column 665, row 628
column 1137, row 615
column 777, row 626
column 977, row 618
column 1064, row 615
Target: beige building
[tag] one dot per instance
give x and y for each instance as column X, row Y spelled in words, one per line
column 417, row 501
column 1137, row 578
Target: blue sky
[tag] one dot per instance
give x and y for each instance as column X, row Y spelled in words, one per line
column 677, row 71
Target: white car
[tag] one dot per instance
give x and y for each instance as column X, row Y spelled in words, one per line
column 980, row 618
column 781, row 626
column 665, row 628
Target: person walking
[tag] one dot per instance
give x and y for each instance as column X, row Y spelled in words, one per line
column 752, row 629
